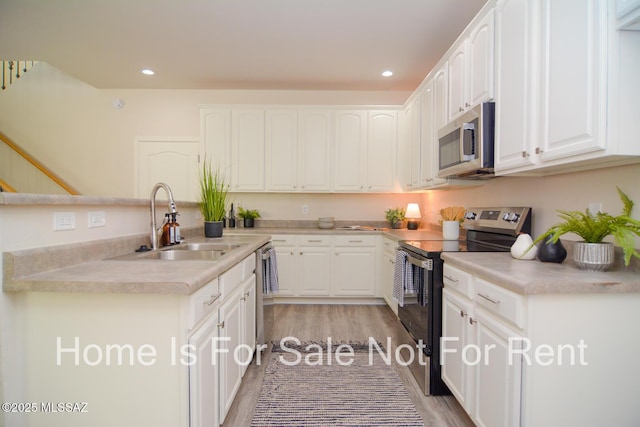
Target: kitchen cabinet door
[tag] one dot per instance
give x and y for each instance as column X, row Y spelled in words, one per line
column 440, row 98
column 314, row 150
column 457, row 71
column 413, row 121
column 429, row 137
column 203, row 375
column 387, row 269
column 286, row 256
column 498, row 376
column 480, row 71
column 247, row 150
column 215, row 134
column 573, row 82
column 313, row 266
column 230, row 320
column 515, row 73
column 248, row 307
column 350, row 151
column 281, row 150
column 457, row 333
column 354, row 268
column 382, row 141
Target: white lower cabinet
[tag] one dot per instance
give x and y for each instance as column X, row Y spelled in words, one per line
column 480, row 366
column 325, row 266
column 387, row 268
column 203, row 375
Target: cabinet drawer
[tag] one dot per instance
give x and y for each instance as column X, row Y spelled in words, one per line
column 202, row 302
column 230, row 279
column 389, row 246
column 355, row 240
column 504, row 303
column 283, row 240
column 458, row 280
column 314, row 240
column 248, row 265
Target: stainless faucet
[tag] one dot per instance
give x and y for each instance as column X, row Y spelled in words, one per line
column 172, row 209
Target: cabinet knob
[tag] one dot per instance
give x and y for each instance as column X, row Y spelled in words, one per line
column 221, row 325
column 466, row 104
column 525, row 154
column 471, row 321
column 462, row 313
column 539, row 151
column 460, row 109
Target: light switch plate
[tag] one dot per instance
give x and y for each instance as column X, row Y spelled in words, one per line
column 97, row 219
column 64, row 221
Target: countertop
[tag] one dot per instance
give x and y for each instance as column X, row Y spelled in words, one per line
column 536, row 277
column 117, row 276
column 87, row 267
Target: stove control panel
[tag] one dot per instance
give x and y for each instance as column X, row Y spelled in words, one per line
column 507, row 220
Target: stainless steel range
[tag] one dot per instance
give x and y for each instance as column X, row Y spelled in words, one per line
column 420, row 302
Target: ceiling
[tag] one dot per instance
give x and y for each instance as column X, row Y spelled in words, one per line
column 236, row 44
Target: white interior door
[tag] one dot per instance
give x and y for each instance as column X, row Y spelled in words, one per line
column 172, row 161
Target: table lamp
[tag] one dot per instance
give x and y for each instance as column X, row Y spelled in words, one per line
column 413, row 216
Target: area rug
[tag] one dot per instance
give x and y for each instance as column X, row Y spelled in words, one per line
column 310, row 385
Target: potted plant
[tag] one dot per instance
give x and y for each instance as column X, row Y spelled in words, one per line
column 452, row 217
column 395, row 217
column 592, row 253
column 249, row 216
column 213, row 199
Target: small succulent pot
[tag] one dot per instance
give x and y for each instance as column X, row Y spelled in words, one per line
column 249, row 222
column 593, row 256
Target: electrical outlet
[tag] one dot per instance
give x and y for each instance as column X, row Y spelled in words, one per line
column 64, row 221
column 305, row 209
column 97, row 219
column 595, row 207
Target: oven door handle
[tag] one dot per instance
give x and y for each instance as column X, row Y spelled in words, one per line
column 426, row 264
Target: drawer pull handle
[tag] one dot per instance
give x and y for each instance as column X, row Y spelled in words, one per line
column 471, row 321
column 488, row 298
column 213, row 299
column 450, row 278
column 355, row 241
column 314, row 241
column 221, row 325
column 462, row 314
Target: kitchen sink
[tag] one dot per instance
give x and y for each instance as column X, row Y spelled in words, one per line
column 183, row 252
column 205, row 247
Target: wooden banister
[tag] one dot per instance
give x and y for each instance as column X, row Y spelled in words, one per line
column 6, row 187
column 42, row 168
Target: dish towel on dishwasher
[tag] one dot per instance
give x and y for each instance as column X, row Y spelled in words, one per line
column 270, row 271
column 402, row 277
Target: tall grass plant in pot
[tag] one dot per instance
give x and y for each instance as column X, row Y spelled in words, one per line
column 214, row 191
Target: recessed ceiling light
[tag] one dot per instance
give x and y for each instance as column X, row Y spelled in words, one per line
column 387, row 73
column 147, row 72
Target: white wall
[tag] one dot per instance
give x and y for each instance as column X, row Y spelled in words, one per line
column 573, row 191
column 74, row 129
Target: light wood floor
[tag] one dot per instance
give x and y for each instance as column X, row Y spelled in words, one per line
column 343, row 322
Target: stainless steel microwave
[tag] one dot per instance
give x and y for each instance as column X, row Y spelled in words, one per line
column 466, row 145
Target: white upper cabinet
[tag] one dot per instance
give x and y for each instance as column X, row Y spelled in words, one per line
column 247, row 149
column 412, row 114
column 382, row 142
column 573, row 77
column 314, row 150
column 566, row 87
column 514, row 84
column 471, row 73
column 350, row 150
column 281, row 150
column 215, row 135
column 365, row 147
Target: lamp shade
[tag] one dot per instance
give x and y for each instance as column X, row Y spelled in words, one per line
column 413, row 211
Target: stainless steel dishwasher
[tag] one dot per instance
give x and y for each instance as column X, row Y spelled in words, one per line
column 264, row 299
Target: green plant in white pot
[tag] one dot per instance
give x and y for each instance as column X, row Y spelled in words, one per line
column 213, row 199
column 592, row 253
